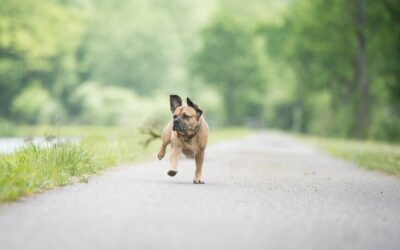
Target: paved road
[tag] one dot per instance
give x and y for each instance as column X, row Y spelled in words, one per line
column 263, row 192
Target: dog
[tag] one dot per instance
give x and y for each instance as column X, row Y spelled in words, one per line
column 187, row 133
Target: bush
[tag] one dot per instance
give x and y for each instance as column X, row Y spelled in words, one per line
column 35, row 105
column 98, row 104
column 6, row 128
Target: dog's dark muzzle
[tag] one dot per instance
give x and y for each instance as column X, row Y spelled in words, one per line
column 177, row 126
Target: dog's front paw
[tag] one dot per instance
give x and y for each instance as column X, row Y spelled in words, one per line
column 198, row 181
column 172, row 173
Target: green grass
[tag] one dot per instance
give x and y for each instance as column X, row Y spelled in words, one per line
column 36, row 169
column 370, row 155
column 227, row 133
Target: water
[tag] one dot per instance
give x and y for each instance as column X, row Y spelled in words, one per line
column 13, row 144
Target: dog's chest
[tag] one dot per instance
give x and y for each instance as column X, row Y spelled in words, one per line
column 189, row 148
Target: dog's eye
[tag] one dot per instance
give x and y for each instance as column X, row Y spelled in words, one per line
column 174, row 116
column 185, row 116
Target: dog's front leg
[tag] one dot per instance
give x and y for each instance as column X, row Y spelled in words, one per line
column 199, row 158
column 165, row 140
column 175, row 153
column 161, row 152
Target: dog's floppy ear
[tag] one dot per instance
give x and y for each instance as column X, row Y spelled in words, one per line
column 174, row 102
column 191, row 104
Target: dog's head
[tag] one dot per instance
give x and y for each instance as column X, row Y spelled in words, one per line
column 185, row 117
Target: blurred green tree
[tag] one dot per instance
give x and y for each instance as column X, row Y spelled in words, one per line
column 229, row 60
column 334, row 50
column 320, row 54
column 141, row 45
column 38, row 40
column 384, row 50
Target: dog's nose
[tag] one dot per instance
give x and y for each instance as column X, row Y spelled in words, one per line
column 176, row 122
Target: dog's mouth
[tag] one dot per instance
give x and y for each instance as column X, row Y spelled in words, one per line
column 177, row 128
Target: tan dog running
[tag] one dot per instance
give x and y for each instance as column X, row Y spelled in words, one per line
column 188, row 134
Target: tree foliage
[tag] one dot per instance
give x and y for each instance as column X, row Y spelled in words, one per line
column 322, row 67
column 36, row 48
column 229, row 61
column 336, row 48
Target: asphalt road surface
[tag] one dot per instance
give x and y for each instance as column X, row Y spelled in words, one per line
column 266, row 191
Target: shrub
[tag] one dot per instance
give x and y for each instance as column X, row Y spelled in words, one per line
column 35, row 105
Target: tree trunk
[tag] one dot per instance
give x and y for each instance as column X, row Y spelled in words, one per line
column 362, row 79
column 230, row 105
column 298, row 120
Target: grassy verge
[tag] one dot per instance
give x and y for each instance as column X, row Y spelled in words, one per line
column 36, row 169
column 227, row 133
column 370, row 155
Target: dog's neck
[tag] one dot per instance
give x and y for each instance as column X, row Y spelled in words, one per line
column 184, row 137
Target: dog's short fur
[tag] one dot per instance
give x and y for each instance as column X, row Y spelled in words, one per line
column 188, row 134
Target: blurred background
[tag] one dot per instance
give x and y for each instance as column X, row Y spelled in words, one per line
column 328, row 68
